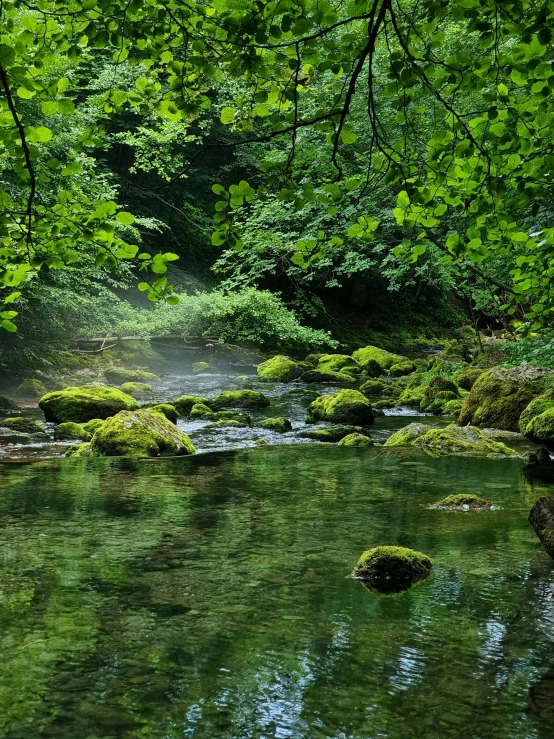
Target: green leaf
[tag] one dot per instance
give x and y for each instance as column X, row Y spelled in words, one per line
column 125, row 218
column 228, row 115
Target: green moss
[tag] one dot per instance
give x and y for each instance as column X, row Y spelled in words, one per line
column 279, row 369
column 136, row 388
column 399, row 369
column 453, row 407
column 31, row 389
column 541, row 428
column 280, row 424
column 496, row 401
column 78, row 450
column 332, row 434
column 376, row 361
column 412, row 396
column 118, row 376
column 229, row 423
column 374, row 388
column 384, row 403
column 467, row 377
column 7, row 404
column 239, row 399
column 24, row 425
column 202, row 411
column 260, row 442
column 439, row 402
column 167, row 409
column 392, row 569
column 463, row 501
column 320, row 376
column 303, row 392
column 60, row 385
column 92, row 425
column 535, row 408
column 338, row 363
column 199, row 368
column 70, row 430
column 356, row 440
column 242, row 379
column 139, row 434
column 344, row 406
column 81, row 404
column 239, row 416
column 450, row 440
column 185, row 403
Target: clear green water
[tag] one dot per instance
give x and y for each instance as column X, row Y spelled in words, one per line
column 210, row 597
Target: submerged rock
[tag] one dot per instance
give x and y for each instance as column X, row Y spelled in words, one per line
column 202, row 411
column 388, row 569
column 139, row 433
column 81, row 404
column 23, row 425
column 378, row 361
column 239, row 399
column 541, row 519
column 199, row 368
column 186, row 402
column 450, row 440
column 344, row 406
column 280, row 424
column 136, row 388
column 31, row 389
column 359, row 440
column 463, row 502
column 118, row 375
column 69, row 430
column 239, row 416
column 279, row 369
column 229, row 423
column 332, row 434
column 497, row 399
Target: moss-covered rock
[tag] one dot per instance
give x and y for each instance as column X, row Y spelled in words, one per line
column 535, row 408
column 31, row 389
column 260, row 442
column 139, row 434
column 7, row 404
column 399, row 369
column 280, row 424
column 279, row 369
column 78, row 450
column 374, row 388
column 200, row 368
column 356, row 440
column 450, row 440
column 332, row 434
column 303, row 392
column 242, row 379
column 439, row 402
column 69, row 430
column 136, row 388
column 119, row 375
column 497, row 400
column 392, row 569
column 338, row 363
column 92, row 425
column 24, row 425
column 344, row 406
column 383, row 404
column 467, row 377
column 463, row 502
column 540, row 429
column 202, row 411
column 453, row 407
column 229, row 423
column 239, row 399
column 167, row 409
column 376, row 361
column 186, row 402
column 81, row 404
column 320, row 376
column 239, row 416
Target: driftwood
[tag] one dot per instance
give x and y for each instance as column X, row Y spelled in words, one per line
column 541, row 519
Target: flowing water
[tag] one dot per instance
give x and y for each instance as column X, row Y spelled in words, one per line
column 211, row 596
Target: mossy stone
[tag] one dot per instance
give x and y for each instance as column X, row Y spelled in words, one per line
column 69, row 430
column 7, row 404
column 239, row 416
column 467, row 377
column 387, row 569
column 229, row 423
column 402, row 368
column 467, row 440
column 376, row 361
column 280, row 424
column 239, row 399
column 374, row 388
column 260, row 442
column 344, row 406
column 463, row 501
column 453, row 407
column 338, row 363
column 119, row 375
column 199, row 368
column 496, row 401
column 279, row 369
column 332, row 434
column 92, row 425
column 136, row 388
column 318, row 375
column 384, row 403
column 356, row 440
column 81, row 404
column 78, row 450
column 23, row 425
column 535, row 408
column 139, row 433
column 540, row 429
column 168, row 410
column 186, row 402
column 31, row 389
column 202, row 411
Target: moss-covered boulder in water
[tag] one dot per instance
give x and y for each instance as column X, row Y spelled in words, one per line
column 200, row 368
column 229, row 423
column 450, row 440
column 540, row 429
column 279, row 369
column 7, row 404
column 78, row 450
column 344, row 406
column 497, row 400
column 359, row 440
column 376, row 361
column 136, row 388
column 81, row 404
column 374, row 388
column 467, row 377
column 280, row 424
column 31, row 389
column 392, row 569
column 92, row 425
column 453, row 407
column 69, row 430
column 117, row 376
column 238, row 416
column 318, row 375
column 399, row 369
column 139, row 433
column 167, row 409
column 202, row 411
column 186, row 402
column 331, row 434
column 239, row 399
column 338, row 363
column 463, row 502
column 24, row 425
column 535, row 408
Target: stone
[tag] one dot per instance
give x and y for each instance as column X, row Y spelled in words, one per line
column 331, row 434
column 358, row 440
column 388, row 569
column 167, row 409
column 239, row 416
column 202, row 411
column 7, row 404
column 136, row 388
column 279, row 369
column 467, row 440
column 463, row 502
column 186, row 402
column 541, row 519
column 119, row 375
column 467, row 377
column 239, row 399
column 344, row 406
column 328, row 376
column 338, row 363
column 279, row 424
column 81, row 404
column 71, row 431
column 31, row 389
column 23, row 425
column 200, row 368
column 376, row 361
column 497, row 400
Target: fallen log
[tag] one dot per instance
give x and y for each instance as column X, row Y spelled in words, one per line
column 541, row 519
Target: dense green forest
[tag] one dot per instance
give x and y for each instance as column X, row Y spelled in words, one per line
column 343, row 169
